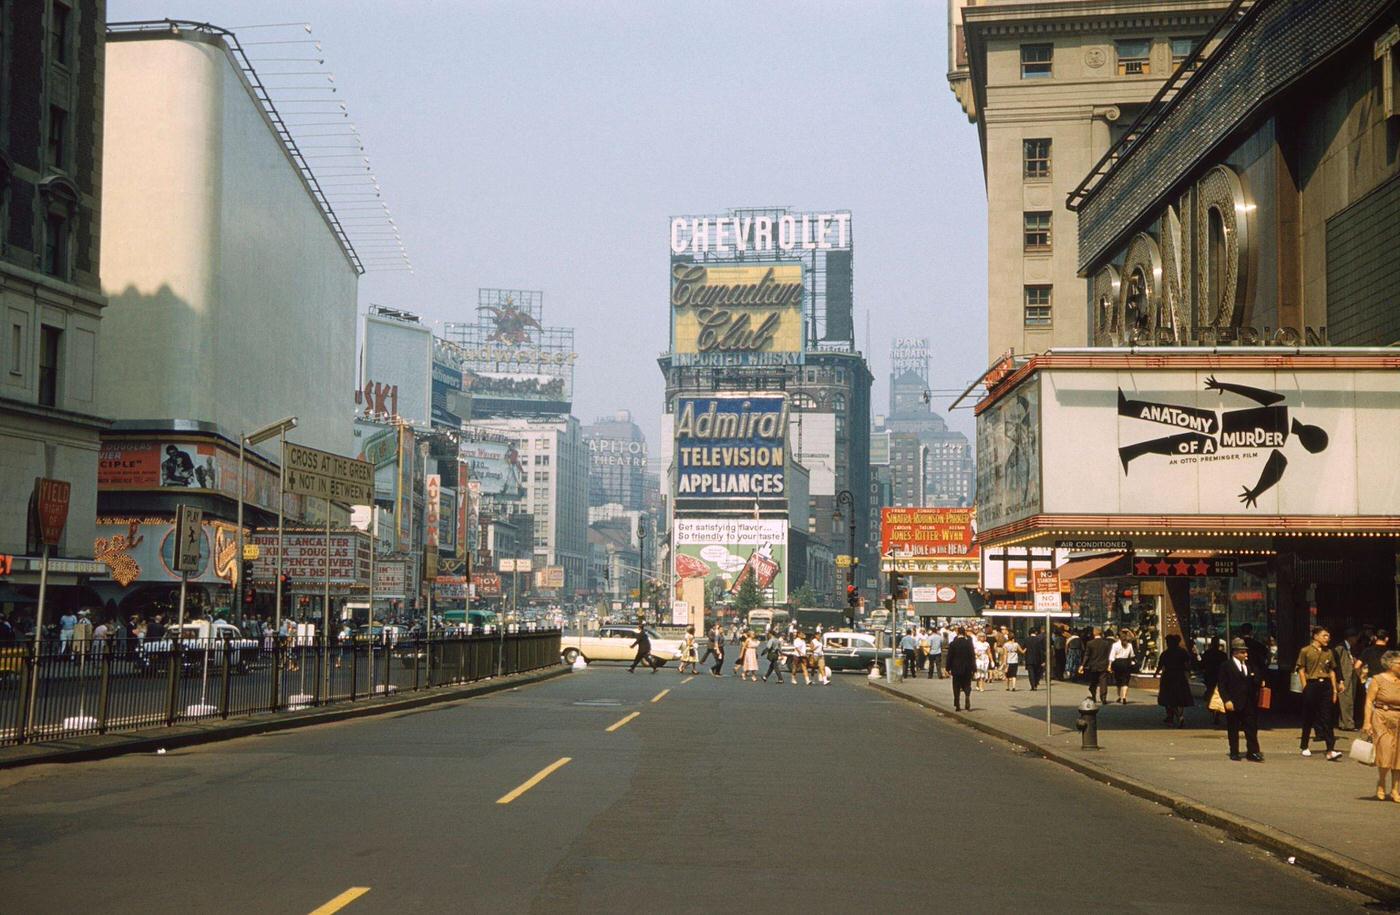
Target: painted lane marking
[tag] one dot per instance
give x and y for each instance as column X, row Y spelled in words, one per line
column 686, row 680
column 534, row 780
column 618, row 724
column 341, row 901
column 657, row 697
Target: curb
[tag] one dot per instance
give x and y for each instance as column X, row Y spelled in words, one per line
column 105, row 746
column 1377, row 884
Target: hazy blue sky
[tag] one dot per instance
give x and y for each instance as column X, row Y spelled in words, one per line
column 544, row 146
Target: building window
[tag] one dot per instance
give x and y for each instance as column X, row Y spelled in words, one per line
column 838, row 403
column 1036, row 60
column 56, row 246
column 59, row 27
column 1181, row 49
column 48, row 366
column 1134, row 57
column 1037, row 306
column 58, row 123
column 1036, row 158
column 16, row 349
column 1037, row 230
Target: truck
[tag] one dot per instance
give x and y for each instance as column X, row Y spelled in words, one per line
column 217, row 638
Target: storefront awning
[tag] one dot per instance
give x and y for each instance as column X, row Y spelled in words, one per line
column 1080, row 568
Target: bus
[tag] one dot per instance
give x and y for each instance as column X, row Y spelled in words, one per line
column 760, row 621
column 475, row 620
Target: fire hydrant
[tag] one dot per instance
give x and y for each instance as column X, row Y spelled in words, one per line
column 1088, row 724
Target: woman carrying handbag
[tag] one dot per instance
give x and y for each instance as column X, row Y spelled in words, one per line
column 1382, row 724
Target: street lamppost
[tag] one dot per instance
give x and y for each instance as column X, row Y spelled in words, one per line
column 641, row 563
column 257, row 437
column 845, row 498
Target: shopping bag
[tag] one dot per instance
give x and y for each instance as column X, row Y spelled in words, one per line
column 1364, row 752
column 1295, row 683
column 1266, row 697
column 1217, row 704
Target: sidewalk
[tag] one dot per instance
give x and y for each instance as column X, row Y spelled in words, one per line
column 1324, row 814
column 185, row 734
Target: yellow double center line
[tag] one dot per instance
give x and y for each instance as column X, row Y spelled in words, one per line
column 617, row 724
column 534, row 780
column 341, row 901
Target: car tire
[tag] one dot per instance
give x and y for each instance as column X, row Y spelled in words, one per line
column 570, row 655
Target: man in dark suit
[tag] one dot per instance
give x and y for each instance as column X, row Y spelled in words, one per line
column 962, row 663
column 1095, row 665
column 643, row 645
column 1238, row 683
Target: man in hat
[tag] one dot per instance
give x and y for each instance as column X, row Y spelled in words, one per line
column 1238, row 683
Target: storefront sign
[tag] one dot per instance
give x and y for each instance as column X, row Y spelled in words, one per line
column 940, row 594
column 487, row 584
column 914, row 532
column 1095, row 546
column 730, row 447
column 389, row 581
column 736, row 315
column 550, row 578
column 432, row 509
column 614, row 452
column 450, row 588
column 1212, row 567
column 725, row 551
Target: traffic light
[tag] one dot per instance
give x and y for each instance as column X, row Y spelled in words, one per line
column 896, row 586
column 245, row 574
column 852, row 604
column 250, row 596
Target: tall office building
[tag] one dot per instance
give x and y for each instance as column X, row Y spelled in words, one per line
column 617, row 462
column 554, row 459
column 1051, row 85
column 51, row 129
column 791, row 277
column 930, row 464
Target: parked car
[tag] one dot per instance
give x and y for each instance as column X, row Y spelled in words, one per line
column 614, row 643
column 195, row 637
column 847, row 650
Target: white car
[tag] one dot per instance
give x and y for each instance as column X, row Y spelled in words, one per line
column 614, row 643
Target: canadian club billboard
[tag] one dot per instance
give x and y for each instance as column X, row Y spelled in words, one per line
column 1159, row 440
column 730, row 453
column 723, row 315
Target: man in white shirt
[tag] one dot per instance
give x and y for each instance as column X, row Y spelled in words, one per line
column 935, row 654
column 799, row 659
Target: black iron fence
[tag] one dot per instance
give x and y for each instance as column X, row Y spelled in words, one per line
column 70, row 689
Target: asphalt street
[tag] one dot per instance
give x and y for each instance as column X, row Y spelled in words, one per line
column 715, row 794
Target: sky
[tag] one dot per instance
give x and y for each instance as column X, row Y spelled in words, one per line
column 545, row 146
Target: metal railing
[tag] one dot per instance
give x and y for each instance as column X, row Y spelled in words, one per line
column 71, row 689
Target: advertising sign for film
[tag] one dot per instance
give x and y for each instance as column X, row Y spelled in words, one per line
column 730, row 447
column 1254, row 443
column 724, row 551
column 926, row 532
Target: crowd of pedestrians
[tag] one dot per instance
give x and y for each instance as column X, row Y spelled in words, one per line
column 798, row 653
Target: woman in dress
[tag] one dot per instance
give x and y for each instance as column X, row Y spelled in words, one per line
column 750, row 655
column 1174, row 687
column 816, row 655
column 1011, row 657
column 689, row 657
column 1382, row 724
column 982, row 651
column 1120, row 662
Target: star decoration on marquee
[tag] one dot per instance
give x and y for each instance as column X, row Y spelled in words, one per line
column 1201, row 567
column 1181, row 567
column 1142, row 567
column 1161, row 567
